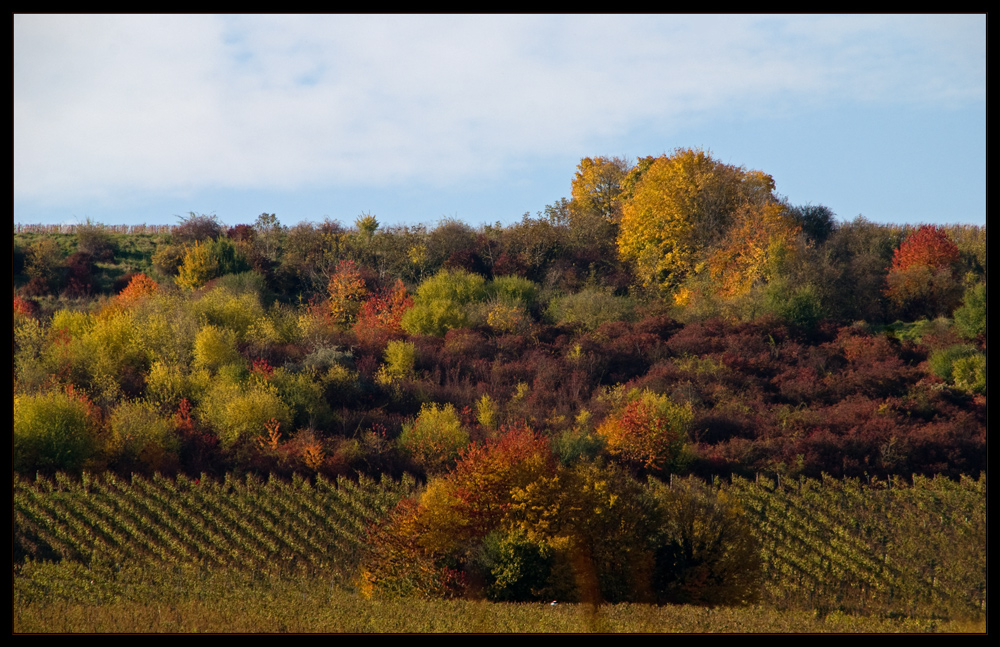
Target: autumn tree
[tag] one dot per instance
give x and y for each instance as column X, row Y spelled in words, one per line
column 922, row 281
column 761, row 238
column 139, row 287
column 208, row 260
column 435, row 438
column 680, row 207
column 647, row 429
column 441, row 302
column 347, row 292
column 381, row 315
column 597, row 187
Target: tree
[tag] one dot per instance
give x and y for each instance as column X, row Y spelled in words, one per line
column 817, row 221
column 680, row 207
column 922, row 279
column 268, row 234
column 597, row 188
column 347, row 292
column 196, row 228
column 759, row 241
column 648, row 429
column 707, row 553
column 929, row 245
column 435, row 438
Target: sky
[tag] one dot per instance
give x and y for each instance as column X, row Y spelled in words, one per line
column 414, row 119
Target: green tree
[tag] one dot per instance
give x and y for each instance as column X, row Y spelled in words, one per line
column 435, row 438
column 970, row 319
column 54, row 431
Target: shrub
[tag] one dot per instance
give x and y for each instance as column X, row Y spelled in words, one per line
column 649, row 430
column 942, row 361
column 206, row 261
column 513, row 290
column 95, row 240
column 400, row 357
column 167, row 259
column 198, row 267
column 516, row 569
column 441, row 301
column 53, row 431
column 970, row 319
column 197, row 227
column 969, row 373
column 800, row 306
column 139, row 287
column 506, row 318
column 235, row 312
column 590, row 308
column 140, row 438
column 435, row 438
column 239, row 413
column 44, row 267
column 214, row 348
column 302, row 393
column 381, row 316
column 167, row 385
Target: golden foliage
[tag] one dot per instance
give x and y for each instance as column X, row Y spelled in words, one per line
column 681, row 206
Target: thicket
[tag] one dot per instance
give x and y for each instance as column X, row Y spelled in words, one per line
column 505, row 326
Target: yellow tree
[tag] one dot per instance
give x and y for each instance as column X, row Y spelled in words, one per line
column 597, row 187
column 681, row 206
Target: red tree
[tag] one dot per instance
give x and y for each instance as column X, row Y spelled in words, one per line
column 929, row 246
column 921, row 281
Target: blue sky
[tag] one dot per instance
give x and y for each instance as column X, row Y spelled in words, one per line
column 142, row 119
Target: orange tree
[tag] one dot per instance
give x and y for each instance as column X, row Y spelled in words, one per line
column 347, row 293
column 428, row 542
column 381, row 315
column 648, row 430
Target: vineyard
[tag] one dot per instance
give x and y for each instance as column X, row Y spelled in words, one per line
column 889, row 548
column 245, row 524
column 886, row 547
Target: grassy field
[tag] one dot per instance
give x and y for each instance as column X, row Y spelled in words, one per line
column 60, row 599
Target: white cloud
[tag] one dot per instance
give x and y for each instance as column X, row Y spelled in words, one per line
column 170, row 103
